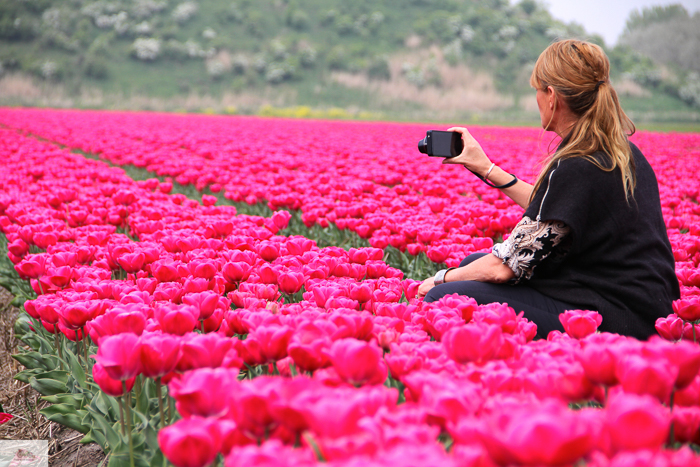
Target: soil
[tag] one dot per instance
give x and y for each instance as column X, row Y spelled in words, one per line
column 24, row 403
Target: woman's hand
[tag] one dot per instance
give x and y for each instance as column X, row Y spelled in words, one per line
column 425, row 287
column 473, row 156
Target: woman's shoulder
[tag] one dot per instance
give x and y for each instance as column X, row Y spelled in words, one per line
column 592, row 164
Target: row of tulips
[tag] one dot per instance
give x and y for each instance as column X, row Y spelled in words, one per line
column 368, row 178
column 278, row 352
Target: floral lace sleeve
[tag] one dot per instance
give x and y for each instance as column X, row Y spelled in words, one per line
column 530, row 243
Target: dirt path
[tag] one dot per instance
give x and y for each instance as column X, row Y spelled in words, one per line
column 24, row 403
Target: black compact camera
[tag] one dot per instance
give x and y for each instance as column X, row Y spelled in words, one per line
column 445, row 144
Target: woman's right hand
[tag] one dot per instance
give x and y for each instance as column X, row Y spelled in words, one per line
column 472, row 156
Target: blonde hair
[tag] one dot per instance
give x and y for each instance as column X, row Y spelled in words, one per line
column 579, row 73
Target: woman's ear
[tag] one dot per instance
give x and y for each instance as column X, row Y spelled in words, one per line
column 551, row 97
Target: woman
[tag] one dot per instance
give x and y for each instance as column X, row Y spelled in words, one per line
column 592, row 235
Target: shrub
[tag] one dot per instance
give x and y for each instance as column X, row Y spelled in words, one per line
column 298, row 19
column 184, row 11
column 379, row 69
column 146, row 49
column 96, row 67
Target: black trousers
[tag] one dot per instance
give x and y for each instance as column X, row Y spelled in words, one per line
column 540, row 309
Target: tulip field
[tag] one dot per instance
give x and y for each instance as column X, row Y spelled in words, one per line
column 239, row 291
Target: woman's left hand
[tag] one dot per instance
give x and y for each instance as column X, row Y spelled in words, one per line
column 425, row 287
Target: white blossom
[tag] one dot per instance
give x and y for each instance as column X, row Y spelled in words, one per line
column 184, row 11
column 690, row 91
column 508, row 31
column 145, row 8
column 209, row 34
column 143, row 28
column 49, row 69
column 146, row 49
column 52, row 18
column 466, row 33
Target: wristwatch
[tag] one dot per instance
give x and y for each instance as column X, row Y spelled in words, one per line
column 440, row 276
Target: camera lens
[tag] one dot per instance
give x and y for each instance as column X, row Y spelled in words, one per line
column 423, row 146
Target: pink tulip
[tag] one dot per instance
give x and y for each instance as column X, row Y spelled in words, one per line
column 108, row 385
column 670, row 328
column 191, row 442
column 204, row 392
column 358, row 362
column 474, row 342
column 119, row 355
column 580, row 323
column 636, row 422
column 688, row 310
column 159, row 354
column 290, row 282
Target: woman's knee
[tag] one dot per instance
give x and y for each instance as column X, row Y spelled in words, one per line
column 439, row 291
column 471, row 258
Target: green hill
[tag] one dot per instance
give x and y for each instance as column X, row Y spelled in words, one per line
column 401, row 58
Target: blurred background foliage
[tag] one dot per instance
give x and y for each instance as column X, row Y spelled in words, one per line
column 365, row 58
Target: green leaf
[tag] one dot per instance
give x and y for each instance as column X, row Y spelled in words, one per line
column 58, row 375
column 142, row 402
column 32, row 340
column 158, row 459
column 32, row 360
column 96, row 436
column 101, row 403
column 151, row 435
column 66, row 415
column 47, row 387
column 75, row 400
column 75, row 367
column 100, row 423
column 24, row 375
column 122, row 460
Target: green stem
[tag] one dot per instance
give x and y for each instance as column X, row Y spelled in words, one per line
column 170, row 409
column 85, row 348
column 128, row 424
column 159, row 392
column 138, row 386
column 57, row 340
column 121, row 414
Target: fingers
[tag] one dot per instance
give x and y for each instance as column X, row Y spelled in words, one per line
column 459, row 129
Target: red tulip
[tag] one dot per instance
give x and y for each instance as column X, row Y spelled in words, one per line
column 688, row 309
column 580, row 323
column 204, row 392
column 546, row 434
column 636, row 422
column 670, row 328
column 646, row 375
column 290, row 282
column 191, row 442
column 273, row 341
column 120, row 355
column 205, row 302
column 358, row 362
column 474, row 342
column 308, row 344
column 159, row 354
column 108, row 385
column 235, row 272
column 176, row 319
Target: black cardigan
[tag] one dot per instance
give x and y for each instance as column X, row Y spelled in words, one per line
column 620, row 262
